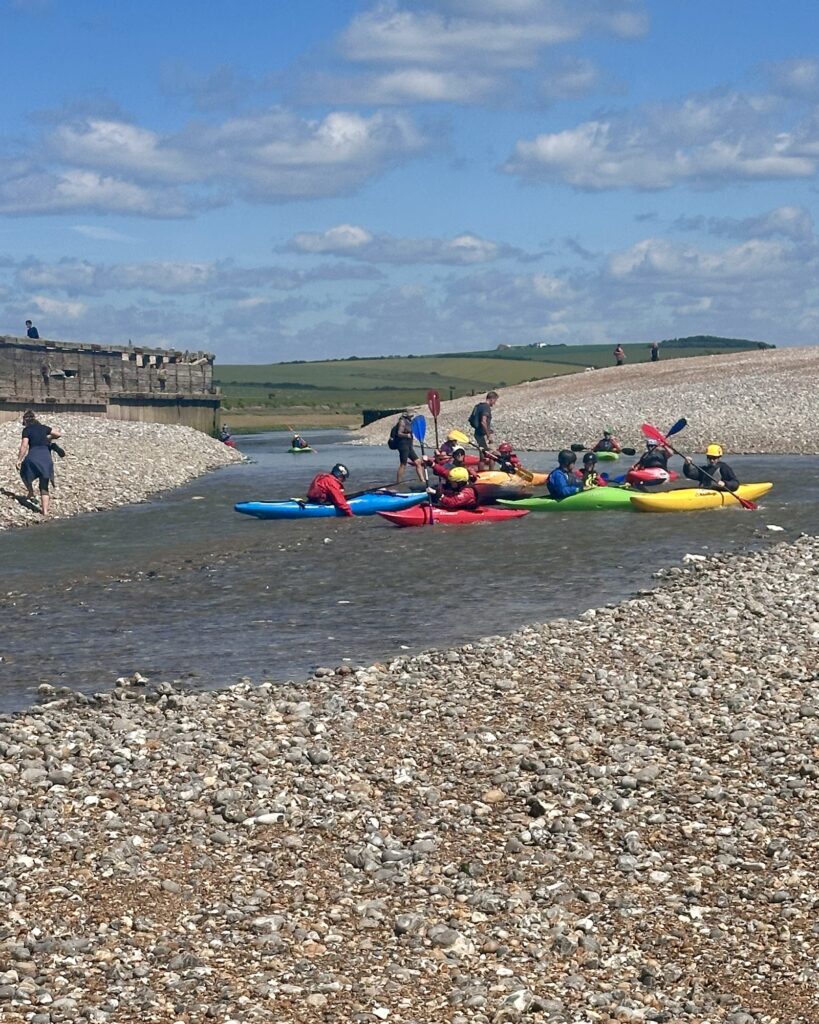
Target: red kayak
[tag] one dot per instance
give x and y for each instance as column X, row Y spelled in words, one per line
column 656, row 475
column 419, row 515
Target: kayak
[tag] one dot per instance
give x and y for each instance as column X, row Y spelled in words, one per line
column 302, row 451
column 420, row 515
column 607, row 456
column 493, row 485
column 594, row 499
column 654, row 475
column 690, row 499
column 364, row 505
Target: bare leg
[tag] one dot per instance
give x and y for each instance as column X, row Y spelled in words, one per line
column 419, row 469
column 45, row 500
column 400, row 475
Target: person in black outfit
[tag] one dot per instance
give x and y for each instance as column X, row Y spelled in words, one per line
column 654, row 457
column 401, row 441
column 717, row 475
column 31, row 330
column 480, row 419
column 34, row 457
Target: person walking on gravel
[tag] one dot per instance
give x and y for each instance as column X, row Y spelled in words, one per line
column 619, row 355
column 480, row 419
column 400, row 440
column 34, row 459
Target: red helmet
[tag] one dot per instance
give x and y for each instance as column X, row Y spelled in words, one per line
column 506, row 448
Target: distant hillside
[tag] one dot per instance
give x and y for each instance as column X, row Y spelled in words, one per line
column 336, row 392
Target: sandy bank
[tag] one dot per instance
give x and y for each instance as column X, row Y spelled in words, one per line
column 762, row 402
column 107, row 464
column 601, row 820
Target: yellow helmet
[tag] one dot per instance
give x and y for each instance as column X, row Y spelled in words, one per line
column 714, row 450
column 457, row 435
column 458, row 475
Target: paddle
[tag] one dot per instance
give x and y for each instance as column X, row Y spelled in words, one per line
column 419, row 432
column 654, row 434
column 295, row 433
column 434, row 406
column 524, row 474
column 675, row 429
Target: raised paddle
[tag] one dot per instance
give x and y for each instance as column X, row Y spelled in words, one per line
column 434, row 406
column 653, row 434
column 419, row 432
column 675, row 429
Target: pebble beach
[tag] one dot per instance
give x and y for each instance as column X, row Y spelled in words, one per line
column 108, row 463
column 597, row 820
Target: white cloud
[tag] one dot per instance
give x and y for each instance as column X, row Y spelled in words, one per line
column 119, row 147
column 358, row 243
column 655, row 259
column 400, row 86
column 799, row 76
column 101, row 234
column 498, row 35
column 703, row 141
column 793, row 222
column 570, row 79
column 58, row 307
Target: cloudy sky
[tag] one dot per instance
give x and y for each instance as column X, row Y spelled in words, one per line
column 268, row 179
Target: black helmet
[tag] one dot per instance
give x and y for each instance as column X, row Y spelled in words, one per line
column 340, row 470
column 589, row 459
column 566, row 458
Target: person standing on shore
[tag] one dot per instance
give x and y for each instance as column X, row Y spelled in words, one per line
column 328, row 489
column 34, row 459
column 31, row 330
column 480, row 419
column 400, row 440
column 654, row 348
column 717, row 475
column 619, row 355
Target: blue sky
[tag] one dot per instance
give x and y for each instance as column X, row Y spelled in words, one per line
column 274, row 180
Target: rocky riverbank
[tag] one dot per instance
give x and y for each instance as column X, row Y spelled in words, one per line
column 108, row 463
column 750, row 402
column 602, row 820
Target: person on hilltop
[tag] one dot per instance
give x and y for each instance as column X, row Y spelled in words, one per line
column 655, row 456
column 400, row 440
column 590, row 477
column 480, row 419
column 34, row 459
column 31, row 330
column 608, row 442
column 619, row 355
column 717, row 475
column 562, row 482
column 654, row 348
column 297, row 441
column 328, row 489
column 456, row 492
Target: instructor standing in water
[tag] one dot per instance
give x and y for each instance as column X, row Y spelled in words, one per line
column 480, row 419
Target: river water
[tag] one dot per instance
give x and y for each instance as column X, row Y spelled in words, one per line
column 184, row 588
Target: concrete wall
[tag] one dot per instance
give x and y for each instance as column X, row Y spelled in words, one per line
column 124, row 383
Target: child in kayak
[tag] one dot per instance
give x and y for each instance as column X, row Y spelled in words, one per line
column 458, row 460
column 456, row 492
column 328, row 489
column 562, row 481
column 607, row 443
column 590, row 477
column 454, row 439
column 717, row 475
column 506, row 459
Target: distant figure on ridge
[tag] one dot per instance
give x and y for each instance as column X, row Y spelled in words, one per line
column 31, row 330
column 654, row 348
column 619, row 355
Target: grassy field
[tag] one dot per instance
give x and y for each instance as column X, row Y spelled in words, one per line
column 335, row 392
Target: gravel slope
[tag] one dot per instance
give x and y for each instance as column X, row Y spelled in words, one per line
column 763, row 401
column 587, row 822
column 108, row 463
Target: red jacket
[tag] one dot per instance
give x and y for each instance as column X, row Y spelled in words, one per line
column 442, row 469
column 465, row 498
column 327, row 489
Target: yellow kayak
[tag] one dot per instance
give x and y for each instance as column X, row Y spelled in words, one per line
column 690, row 499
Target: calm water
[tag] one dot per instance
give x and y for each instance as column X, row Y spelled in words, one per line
column 184, row 588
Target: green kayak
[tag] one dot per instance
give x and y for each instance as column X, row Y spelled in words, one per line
column 595, row 499
column 607, row 456
column 302, row 451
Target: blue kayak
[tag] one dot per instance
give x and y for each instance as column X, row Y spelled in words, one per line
column 364, row 505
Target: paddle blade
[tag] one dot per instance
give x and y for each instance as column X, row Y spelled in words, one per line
column 746, row 503
column 524, row 474
column 628, row 451
column 419, row 428
column 460, row 437
column 434, row 403
column 578, row 447
column 652, row 433
column 678, row 426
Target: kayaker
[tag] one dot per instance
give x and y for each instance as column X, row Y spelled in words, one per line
column 562, row 481
column 454, row 439
column 608, row 442
column 328, row 489
column 590, row 477
column 400, row 440
column 480, row 419
column 224, row 433
column 458, row 460
column 655, row 456
column 717, row 475
column 506, row 459
column 456, row 492
column 297, row 441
